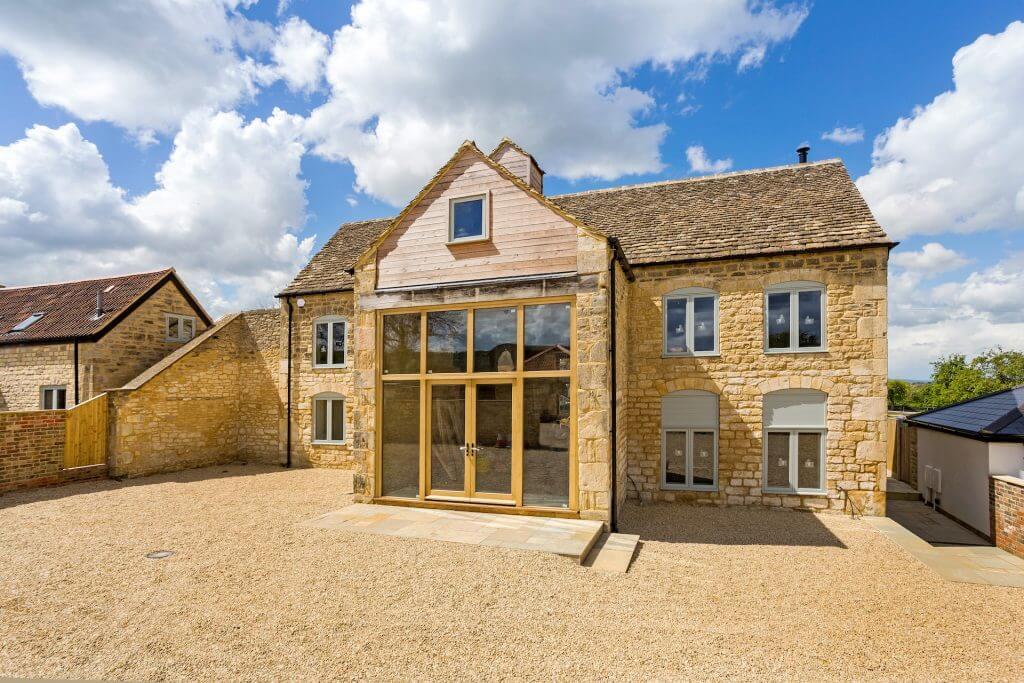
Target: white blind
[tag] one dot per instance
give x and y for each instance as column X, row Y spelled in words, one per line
column 794, row 408
column 682, row 409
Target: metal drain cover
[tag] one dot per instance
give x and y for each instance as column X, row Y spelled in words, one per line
column 159, row 554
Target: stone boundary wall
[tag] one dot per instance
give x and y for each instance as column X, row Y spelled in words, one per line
column 205, row 404
column 31, row 448
column 1006, row 503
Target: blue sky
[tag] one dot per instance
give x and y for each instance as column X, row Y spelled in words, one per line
column 742, row 93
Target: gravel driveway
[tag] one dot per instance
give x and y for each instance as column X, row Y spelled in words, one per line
column 738, row 593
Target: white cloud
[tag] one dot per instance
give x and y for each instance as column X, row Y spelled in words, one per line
column 300, row 53
column 228, row 204
column 932, row 257
column 752, row 58
column 954, row 165
column 844, row 135
column 142, row 65
column 410, row 80
column 700, row 163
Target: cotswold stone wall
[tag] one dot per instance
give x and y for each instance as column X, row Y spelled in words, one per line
column 1006, row 502
column 31, row 448
column 134, row 344
column 206, row 403
column 852, row 372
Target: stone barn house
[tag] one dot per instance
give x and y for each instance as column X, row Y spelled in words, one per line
column 61, row 344
column 715, row 340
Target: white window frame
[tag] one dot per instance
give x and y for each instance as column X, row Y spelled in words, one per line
column 794, row 289
column 329, row 320
column 181, row 327
column 689, row 294
column 329, row 398
column 52, row 388
column 689, row 459
column 486, row 235
column 794, row 430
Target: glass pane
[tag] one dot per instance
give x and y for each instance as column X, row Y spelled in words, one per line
column 704, row 323
column 777, row 471
column 494, row 438
column 321, row 344
column 446, row 341
column 546, row 442
column 809, row 306
column 778, row 320
column 60, row 398
column 187, row 327
column 400, row 439
column 338, row 344
column 319, row 420
column 808, row 470
column 172, row 328
column 546, row 337
column 703, row 458
column 401, row 344
column 494, row 340
column 337, row 420
column 675, row 326
column 467, row 219
column 448, row 437
column 675, row 458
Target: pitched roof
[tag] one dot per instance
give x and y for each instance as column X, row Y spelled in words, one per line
column 995, row 417
column 68, row 307
column 747, row 213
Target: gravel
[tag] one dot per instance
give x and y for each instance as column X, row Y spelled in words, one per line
column 713, row 593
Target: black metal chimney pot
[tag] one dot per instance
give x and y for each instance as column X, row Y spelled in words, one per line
column 801, row 153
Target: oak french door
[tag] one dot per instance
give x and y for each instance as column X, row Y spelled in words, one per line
column 470, row 449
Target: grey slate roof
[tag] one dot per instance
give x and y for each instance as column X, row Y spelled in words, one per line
column 747, row 213
column 996, row 417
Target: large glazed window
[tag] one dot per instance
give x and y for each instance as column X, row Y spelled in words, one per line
column 446, row 341
column 546, row 410
column 794, row 441
column 329, row 337
column 494, row 340
column 795, row 317
column 691, row 322
column 400, row 439
column 689, row 441
column 547, row 335
column 401, row 344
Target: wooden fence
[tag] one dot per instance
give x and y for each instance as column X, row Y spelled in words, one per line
column 902, row 450
column 85, row 442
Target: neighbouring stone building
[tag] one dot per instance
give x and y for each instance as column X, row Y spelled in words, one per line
column 716, row 340
column 61, row 344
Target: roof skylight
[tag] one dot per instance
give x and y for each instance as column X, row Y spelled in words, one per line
column 27, row 322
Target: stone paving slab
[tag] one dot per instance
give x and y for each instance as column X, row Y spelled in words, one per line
column 571, row 538
column 964, row 564
column 613, row 553
column 931, row 525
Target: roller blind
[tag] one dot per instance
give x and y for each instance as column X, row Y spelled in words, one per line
column 794, row 408
column 683, row 409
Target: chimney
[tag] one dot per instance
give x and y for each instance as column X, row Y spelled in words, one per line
column 519, row 163
column 98, row 313
column 801, row 152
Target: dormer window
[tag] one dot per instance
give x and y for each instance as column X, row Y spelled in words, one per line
column 27, row 322
column 467, row 219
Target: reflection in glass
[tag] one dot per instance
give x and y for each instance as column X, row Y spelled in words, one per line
column 493, row 459
column 320, row 420
column 675, row 458
column 338, row 347
column 446, row 341
column 703, row 458
column 546, row 337
column 321, row 343
column 675, row 326
column 337, row 420
column 448, row 437
column 809, row 460
column 467, row 219
column 546, row 442
column 494, row 340
column 778, row 320
column 704, row 323
column 401, row 337
column 400, row 439
column 777, row 469
column 809, row 306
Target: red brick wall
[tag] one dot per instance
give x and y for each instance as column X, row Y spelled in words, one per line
column 1006, row 500
column 31, row 448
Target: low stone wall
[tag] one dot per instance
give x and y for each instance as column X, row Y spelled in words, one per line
column 1006, row 500
column 31, row 448
column 210, row 402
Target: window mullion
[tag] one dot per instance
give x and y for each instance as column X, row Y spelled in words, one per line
column 794, row 464
column 689, row 325
column 689, row 458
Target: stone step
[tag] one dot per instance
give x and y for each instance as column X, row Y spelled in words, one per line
column 613, row 552
column 898, row 490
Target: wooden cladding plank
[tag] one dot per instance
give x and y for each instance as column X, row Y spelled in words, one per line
column 85, row 431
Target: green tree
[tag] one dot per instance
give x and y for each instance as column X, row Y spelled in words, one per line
column 899, row 394
column 954, row 379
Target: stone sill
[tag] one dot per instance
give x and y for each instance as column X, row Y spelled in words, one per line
column 819, row 494
column 1009, row 479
